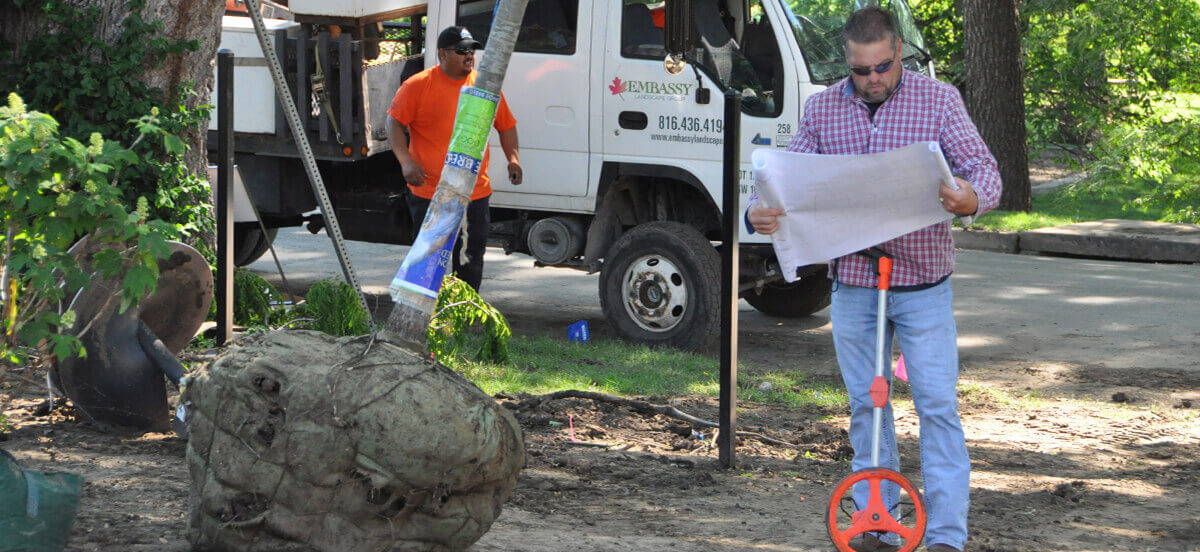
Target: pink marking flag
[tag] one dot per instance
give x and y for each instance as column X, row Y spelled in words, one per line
column 901, row 372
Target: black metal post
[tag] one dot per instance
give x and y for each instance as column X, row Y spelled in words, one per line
column 730, row 215
column 224, row 197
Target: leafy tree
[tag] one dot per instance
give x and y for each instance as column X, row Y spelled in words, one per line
column 97, row 65
column 52, row 190
column 941, row 25
column 1092, row 64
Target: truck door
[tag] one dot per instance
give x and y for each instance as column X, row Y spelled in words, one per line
column 547, row 89
column 651, row 117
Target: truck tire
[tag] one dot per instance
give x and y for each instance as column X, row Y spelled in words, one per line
column 660, row 285
column 797, row 299
column 249, row 242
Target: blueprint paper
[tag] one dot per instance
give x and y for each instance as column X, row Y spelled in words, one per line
column 839, row 204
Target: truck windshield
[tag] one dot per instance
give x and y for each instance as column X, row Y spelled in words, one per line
column 818, row 28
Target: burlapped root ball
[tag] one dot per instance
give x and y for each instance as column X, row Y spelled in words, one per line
column 304, row 441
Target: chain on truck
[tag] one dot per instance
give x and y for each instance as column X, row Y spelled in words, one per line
column 622, row 159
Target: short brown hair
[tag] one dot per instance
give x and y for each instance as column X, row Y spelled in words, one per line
column 870, row 24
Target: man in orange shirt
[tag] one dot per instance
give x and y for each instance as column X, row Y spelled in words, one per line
column 424, row 107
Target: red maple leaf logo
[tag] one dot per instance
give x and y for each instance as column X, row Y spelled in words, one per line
column 617, row 86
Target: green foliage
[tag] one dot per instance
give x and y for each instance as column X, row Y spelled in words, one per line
column 1161, row 156
column 334, row 309
column 460, row 309
column 92, row 86
column 1095, row 76
column 941, row 25
column 1092, row 64
column 256, row 303
column 53, row 190
column 1087, row 64
column 1140, row 173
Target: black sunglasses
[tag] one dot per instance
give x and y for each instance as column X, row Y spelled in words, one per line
column 881, row 68
column 463, row 51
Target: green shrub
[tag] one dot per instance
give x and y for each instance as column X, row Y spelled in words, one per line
column 334, row 308
column 255, row 301
column 459, row 317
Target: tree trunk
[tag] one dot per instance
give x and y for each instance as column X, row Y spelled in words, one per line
column 995, row 93
column 198, row 20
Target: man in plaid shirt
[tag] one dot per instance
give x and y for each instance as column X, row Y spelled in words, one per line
column 881, row 107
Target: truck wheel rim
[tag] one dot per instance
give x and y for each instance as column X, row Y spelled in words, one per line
column 654, row 293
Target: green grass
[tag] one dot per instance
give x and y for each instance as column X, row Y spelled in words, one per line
column 1076, row 203
column 544, row 365
column 1181, row 104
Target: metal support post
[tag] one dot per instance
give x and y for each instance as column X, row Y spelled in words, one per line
column 224, row 197
column 730, row 210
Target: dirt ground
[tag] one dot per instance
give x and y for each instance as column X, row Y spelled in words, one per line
column 1066, row 469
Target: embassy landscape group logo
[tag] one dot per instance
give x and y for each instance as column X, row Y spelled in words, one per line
column 653, row 90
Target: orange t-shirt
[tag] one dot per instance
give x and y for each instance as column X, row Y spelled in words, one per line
column 426, row 103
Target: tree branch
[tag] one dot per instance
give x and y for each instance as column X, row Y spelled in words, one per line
column 647, row 408
column 636, row 405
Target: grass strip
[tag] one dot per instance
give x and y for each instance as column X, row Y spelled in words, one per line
column 542, row 365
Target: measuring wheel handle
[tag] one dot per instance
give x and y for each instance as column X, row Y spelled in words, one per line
column 875, row 517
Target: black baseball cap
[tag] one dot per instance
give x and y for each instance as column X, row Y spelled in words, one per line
column 457, row 37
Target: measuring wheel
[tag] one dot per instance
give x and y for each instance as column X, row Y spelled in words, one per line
column 905, row 520
column 901, row 523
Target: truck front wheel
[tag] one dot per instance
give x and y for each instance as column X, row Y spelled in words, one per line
column 660, row 285
column 800, row 298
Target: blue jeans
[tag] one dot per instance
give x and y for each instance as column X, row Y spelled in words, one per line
column 923, row 323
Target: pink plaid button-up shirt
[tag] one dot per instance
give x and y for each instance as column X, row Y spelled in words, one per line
column 836, row 121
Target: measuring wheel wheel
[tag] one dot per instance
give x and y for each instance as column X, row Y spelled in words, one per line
column 904, row 523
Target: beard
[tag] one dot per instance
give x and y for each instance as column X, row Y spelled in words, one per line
column 875, row 94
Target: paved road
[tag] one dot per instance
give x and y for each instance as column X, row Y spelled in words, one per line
column 1010, row 308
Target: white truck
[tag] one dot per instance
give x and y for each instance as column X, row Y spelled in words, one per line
column 622, row 160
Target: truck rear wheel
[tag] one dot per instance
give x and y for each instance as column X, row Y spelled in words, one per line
column 797, row 299
column 249, row 242
column 660, row 285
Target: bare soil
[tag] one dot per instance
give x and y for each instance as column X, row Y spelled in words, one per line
column 1075, row 469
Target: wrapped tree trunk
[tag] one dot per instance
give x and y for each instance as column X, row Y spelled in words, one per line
column 415, row 287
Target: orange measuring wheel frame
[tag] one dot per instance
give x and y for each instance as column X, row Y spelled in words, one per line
column 875, row 517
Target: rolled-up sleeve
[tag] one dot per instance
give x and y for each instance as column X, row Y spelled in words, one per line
column 967, row 153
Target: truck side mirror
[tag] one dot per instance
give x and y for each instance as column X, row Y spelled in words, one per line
column 677, row 34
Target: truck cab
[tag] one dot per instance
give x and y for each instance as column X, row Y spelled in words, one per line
column 622, row 159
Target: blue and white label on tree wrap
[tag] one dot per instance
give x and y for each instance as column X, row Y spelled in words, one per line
column 431, row 254
column 424, row 277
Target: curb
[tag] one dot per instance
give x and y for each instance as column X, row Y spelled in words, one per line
column 987, row 240
column 1121, row 240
